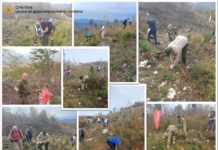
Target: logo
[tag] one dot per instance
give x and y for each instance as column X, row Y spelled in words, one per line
column 8, row 9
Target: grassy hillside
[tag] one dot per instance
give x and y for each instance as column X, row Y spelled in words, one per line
column 122, row 49
column 36, row 82
column 96, row 93
column 127, row 124
column 59, row 132
column 21, row 32
column 40, row 75
column 193, row 82
column 196, row 121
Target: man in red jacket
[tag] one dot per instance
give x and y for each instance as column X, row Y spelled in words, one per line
column 16, row 136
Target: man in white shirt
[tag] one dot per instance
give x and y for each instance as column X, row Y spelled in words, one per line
column 177, row 48
column 102, row 32
column 43, row 139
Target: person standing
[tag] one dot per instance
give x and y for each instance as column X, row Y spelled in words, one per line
column 103, row 31
column 22, row 88
column 16, row 136
column 152, row 31
column 43, row 139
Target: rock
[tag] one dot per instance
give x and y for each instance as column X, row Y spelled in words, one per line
column 105, row 131
column 208, row 141
column 99, row 98
column 90, row 139
column 141, row 67
column 184, row 89
column 171, row 67
column 162, row 84
column 160, row 66
column 142, row 80
column 148, row 99
column 155, row 72
column 148, row 66
column 124, row 65
column 143, row 63
column 171, row 93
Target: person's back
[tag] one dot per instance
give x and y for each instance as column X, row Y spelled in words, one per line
column 115, row 141
column 178, row 44
column 30, row 131
column 88, row 35
column 103, row 29
column 152, row 24
column 125, row 22
column 46, row 96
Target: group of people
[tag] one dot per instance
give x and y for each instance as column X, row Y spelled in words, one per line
column 102, row 30
column 23, row 90
column 176, row 49
column 180, row 128
column 178, row 45
column 16, row 137
column 103, row 122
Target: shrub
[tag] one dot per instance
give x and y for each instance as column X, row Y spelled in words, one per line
column 204, row 79
column 144, row 46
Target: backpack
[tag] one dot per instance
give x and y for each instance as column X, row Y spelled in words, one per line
column 18, row 131
column 50, row 27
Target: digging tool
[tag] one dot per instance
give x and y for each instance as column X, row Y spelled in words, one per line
column 185, row 74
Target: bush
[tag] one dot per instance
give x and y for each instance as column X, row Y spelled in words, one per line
column 144, row 46
column 126, row 35
column 203, row 76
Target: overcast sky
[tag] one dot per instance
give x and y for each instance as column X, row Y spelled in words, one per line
column 105, row 10
column 86, row 55
column 26, row 53
column 51, row 111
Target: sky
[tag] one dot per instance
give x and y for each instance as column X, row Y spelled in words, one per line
column 184, row 106
column 86, row 55
column 105, row 10
column 50, row 111
column 121, row 96
column 26, row 53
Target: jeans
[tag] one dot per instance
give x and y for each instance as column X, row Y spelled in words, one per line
column 154, row 33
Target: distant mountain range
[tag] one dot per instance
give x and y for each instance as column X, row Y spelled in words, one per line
column 87, row 21
column 67, row 119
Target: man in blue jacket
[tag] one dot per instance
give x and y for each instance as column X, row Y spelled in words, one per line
column 113, row 142
column 152, row 30
column 125, row 23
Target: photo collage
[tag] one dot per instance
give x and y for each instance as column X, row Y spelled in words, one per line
column 113, row 75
